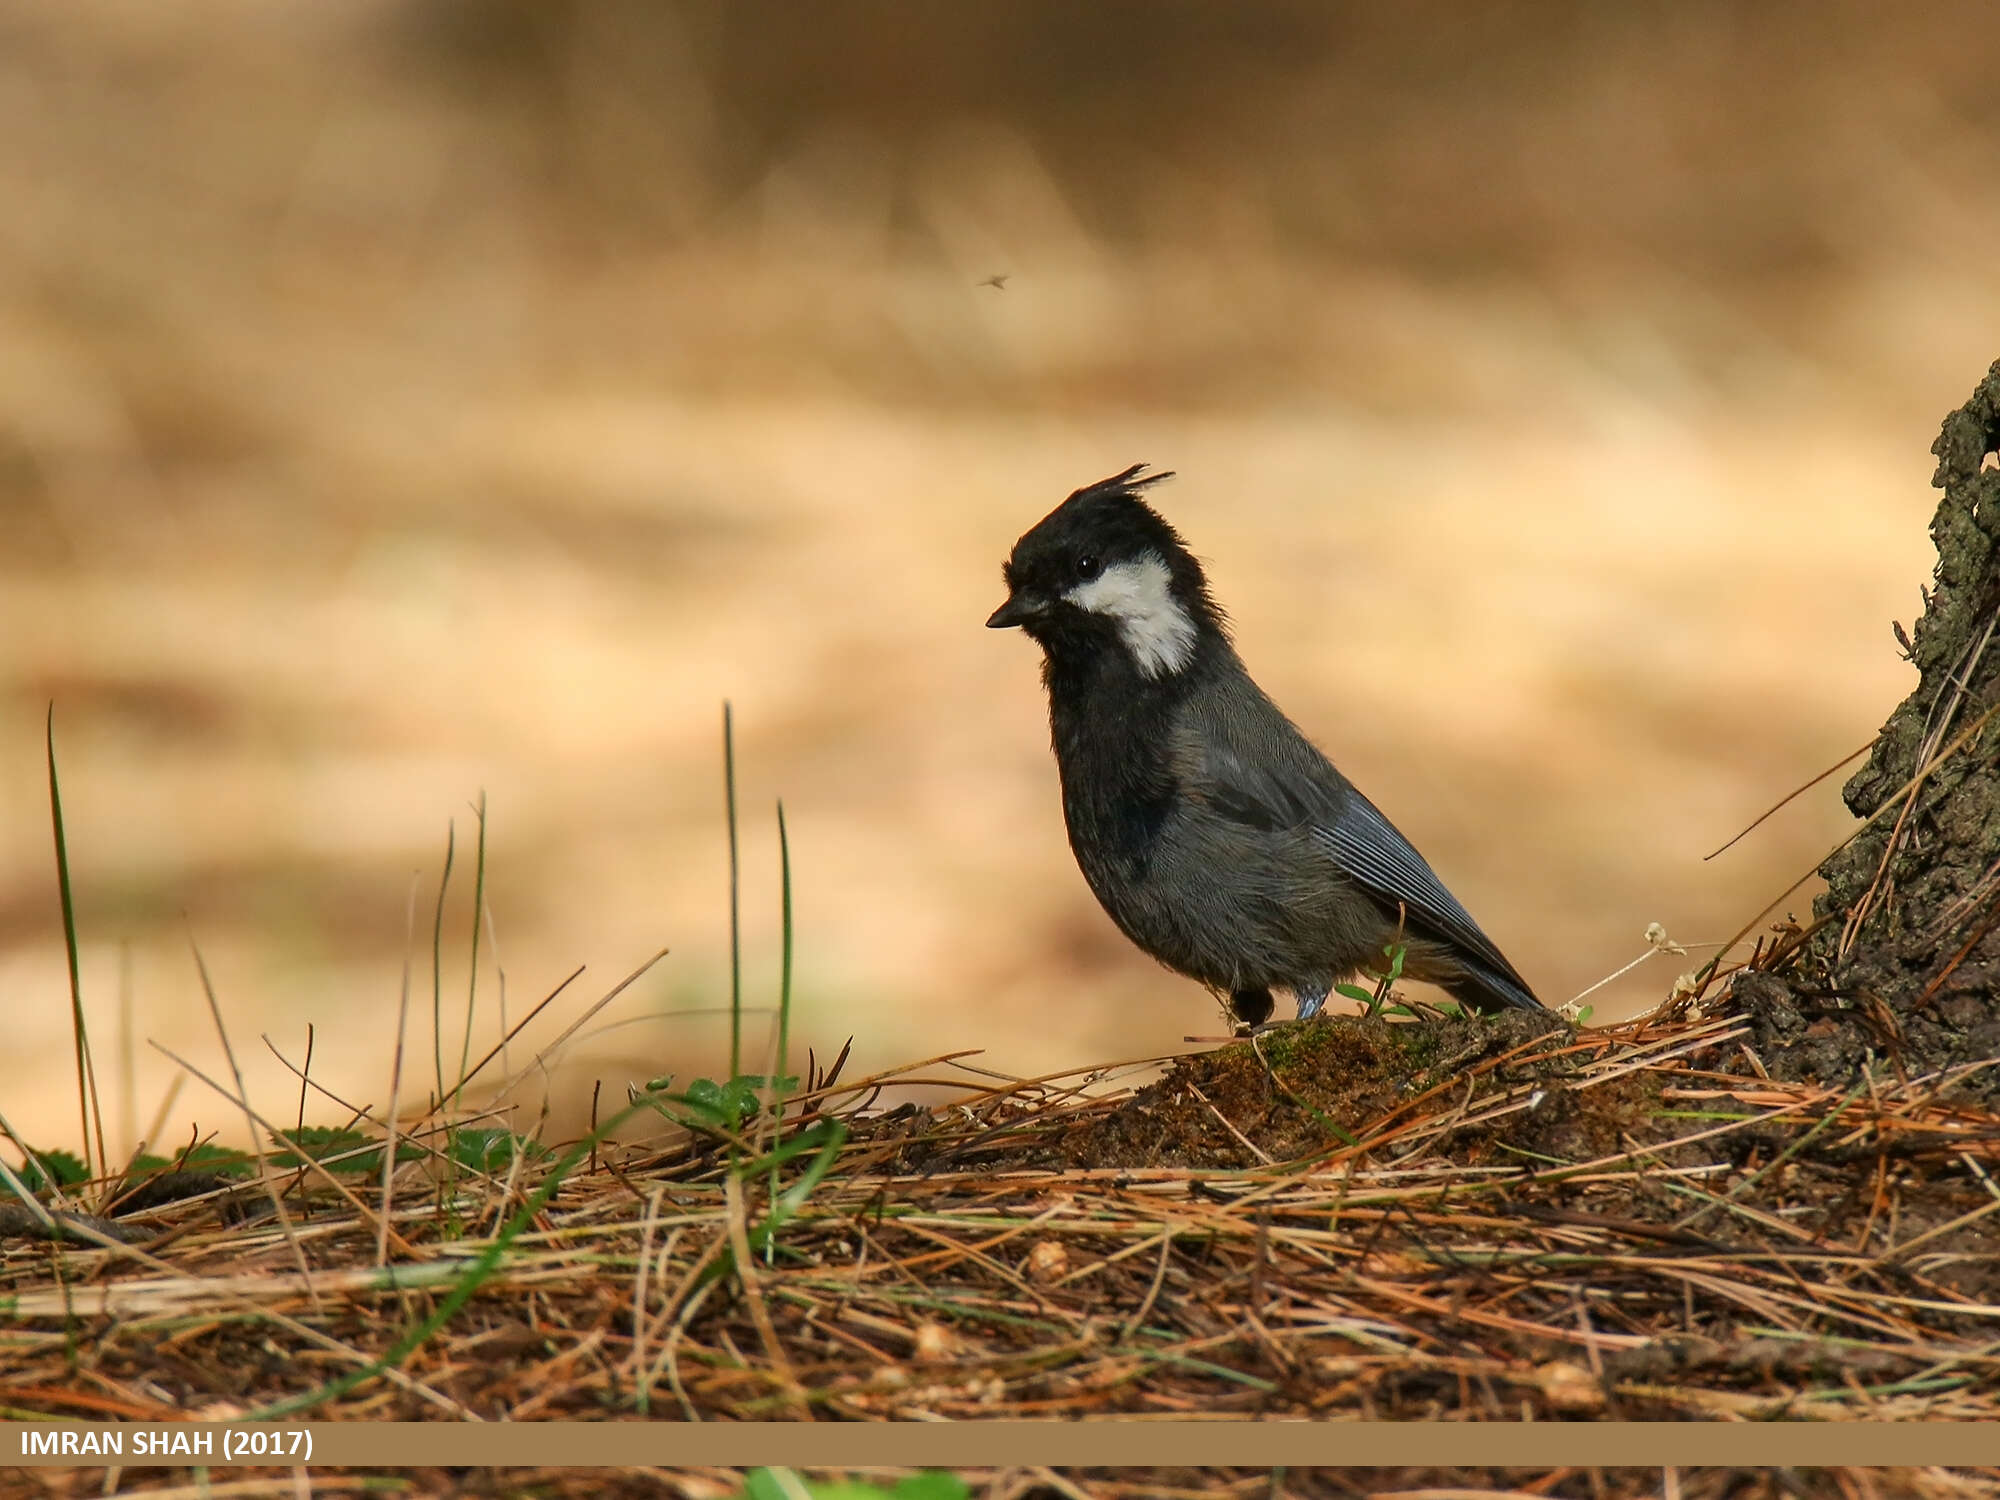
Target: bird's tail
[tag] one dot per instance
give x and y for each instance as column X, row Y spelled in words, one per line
column 1485, row 988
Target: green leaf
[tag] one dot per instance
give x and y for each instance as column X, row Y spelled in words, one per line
column 711, row 1104
column 716, row 1106
column 763, row 1484
column 1355, row 993
column 320, row 1140
column 1394, row 953
column 224, row 1161
column 322, row 1143
column 739, row 1097
column 68, row 1171
column 491, row 1150
column 937, row 1484
column 337, row 1149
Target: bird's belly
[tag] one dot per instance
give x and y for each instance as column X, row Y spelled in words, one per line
column 1259, row 911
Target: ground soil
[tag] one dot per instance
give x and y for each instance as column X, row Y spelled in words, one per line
column 1318, row 1089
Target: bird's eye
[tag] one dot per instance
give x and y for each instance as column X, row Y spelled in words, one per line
column 1088, row 567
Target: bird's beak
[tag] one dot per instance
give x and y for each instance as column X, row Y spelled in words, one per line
column 1018, row 610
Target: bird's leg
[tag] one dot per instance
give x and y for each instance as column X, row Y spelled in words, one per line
column 1251, row 1007
column 1310, row 998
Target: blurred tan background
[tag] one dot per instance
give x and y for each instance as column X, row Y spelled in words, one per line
column 402, row 400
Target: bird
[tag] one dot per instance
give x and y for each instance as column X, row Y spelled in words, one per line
column 998, row 280
column 1215, row 835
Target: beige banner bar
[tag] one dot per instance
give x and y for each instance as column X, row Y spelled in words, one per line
column 224, row 1446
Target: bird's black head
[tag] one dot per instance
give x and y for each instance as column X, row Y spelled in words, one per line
column 1104, row 570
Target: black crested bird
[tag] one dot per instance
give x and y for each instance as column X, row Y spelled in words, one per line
column 1216, row 836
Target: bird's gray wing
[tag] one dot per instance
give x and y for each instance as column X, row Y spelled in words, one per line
column 1359, row 840
column 1367, row 846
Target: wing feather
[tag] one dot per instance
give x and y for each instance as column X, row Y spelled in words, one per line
column 1363, row 843
column 1367, row 846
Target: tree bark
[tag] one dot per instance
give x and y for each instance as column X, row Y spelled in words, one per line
column 1904, row 957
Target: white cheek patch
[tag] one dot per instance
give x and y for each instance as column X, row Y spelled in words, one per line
column 1138, row 595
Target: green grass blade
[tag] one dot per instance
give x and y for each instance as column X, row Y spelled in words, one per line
column 735, row 922
column 787, row 1204
column 784, row 996
column 794, row 1197
column 78, row 1029
column 472, row 981
column 785, row 961
column 437, row 964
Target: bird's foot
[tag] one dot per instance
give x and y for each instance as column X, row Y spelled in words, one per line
column 1251, row 1008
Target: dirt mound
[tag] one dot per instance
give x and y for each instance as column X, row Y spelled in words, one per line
column 1303, row 1090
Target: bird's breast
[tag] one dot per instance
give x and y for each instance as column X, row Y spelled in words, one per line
column 1118, row 790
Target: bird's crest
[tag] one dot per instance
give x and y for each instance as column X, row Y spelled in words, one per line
column 1129, row 483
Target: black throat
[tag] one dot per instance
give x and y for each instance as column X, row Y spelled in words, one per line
column 1112, row 731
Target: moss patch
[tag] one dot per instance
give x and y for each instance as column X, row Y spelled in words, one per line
column 1303, row 1090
